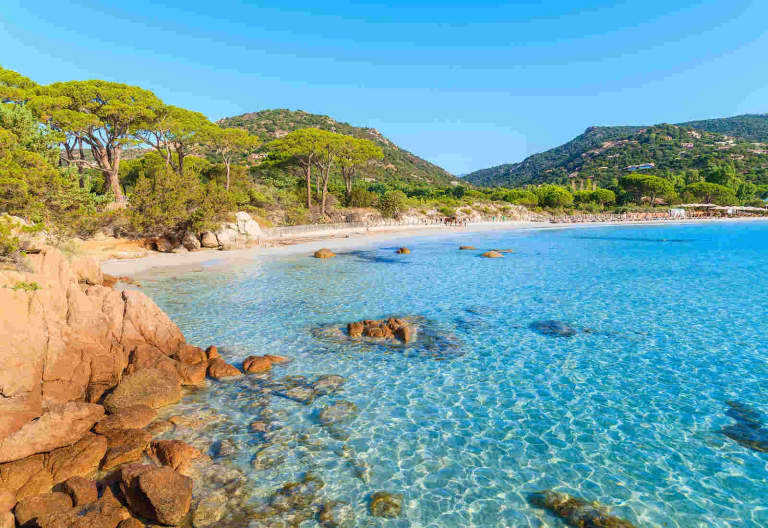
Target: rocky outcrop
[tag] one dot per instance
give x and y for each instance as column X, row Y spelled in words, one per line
column 243, row 232
column 324, row 253
column 80, row 490
column 220, row 369
column 150, row 386
column 390, row 329
column 68, row 339
column 133, row 417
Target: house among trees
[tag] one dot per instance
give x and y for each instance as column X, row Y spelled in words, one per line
column 642, row 166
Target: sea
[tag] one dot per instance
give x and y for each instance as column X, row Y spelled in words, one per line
column 625, row 365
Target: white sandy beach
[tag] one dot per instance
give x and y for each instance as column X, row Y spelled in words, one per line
column 341, row 240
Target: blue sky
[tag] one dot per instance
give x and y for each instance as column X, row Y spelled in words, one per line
column 466, row 85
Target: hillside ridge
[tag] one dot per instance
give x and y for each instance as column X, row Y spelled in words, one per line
column 669, row 147
column 398, row 163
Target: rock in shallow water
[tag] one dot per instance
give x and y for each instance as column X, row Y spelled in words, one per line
column 341, row 412
column 577, row 512
column 336, row 514
column 553, row 328
column 385, row 504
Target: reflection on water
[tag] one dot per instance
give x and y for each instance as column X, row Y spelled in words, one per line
column 631, row 416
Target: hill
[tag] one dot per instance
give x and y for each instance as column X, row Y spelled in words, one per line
column 604, row 153
column 398, row 164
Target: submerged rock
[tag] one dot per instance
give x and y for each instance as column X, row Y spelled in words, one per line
column 209, row 509
column 553, row 328
column 577, row 512
column 256, row 364
column 747, row 429
column 403, row 251
column 492, row 254
column 385, row 504
column 328, row 384
column 467, row 247
column 336, row 514
column 338, row 413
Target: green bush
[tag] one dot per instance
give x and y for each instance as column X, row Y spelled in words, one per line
column 360, row 197
column 10, row 246
column 392, row 203
column 446, row 211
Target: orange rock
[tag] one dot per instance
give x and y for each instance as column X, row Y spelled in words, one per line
column 79, row 459
column 355, row 329
column 277, row 360
column 41, row 506
column 156, row 493
column 256, row 364
column 467, row 247
column 173, row 453
column 324, row 253
column 109, row 281
column 80, row 490
column 133, row 417
column 492, row 254
column 212, row 352
column 124, row 445
column 403, row 251
column 220, row 369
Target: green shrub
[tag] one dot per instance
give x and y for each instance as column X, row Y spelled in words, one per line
column 392, row 203
column 446, row 211
column 10, row 246
column 360, row 197
column 26, row 286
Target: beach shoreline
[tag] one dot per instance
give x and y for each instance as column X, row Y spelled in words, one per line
column 341, row 240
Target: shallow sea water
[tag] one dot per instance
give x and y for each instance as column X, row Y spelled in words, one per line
column 671, row 320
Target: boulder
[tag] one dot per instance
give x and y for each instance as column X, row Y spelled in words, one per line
column 107, row 512
column 79, row 459
column 190, row 242
column 403, row 251
column 212, row 352
column 467, row 247
column 355, row 329
column 87, row 271
column 131, row 523
column 162, row 244
column 173, row 453
column 220, row 369
column 124, row 445
column 7, row 520
column 133, row 417
column 26, row 477
column 228, row 238
column 277, row 360
column 192, row 375
column 158, row 494
column 503, row 250
column 80, row 490
column 37, row 507
column 247, row 226
column 391, row 328
column 492, row 254
column 256, row 364
column 576, row 511
column 7, row 500
column 191, row 355
column 385, row 504
column 151, row 387
column 209, row 240
column 324, row 253
column 62, row 425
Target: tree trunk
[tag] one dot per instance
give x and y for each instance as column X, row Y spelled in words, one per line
column 226, row 163
column 325, row 191
column 309, row 184
column 80, row 167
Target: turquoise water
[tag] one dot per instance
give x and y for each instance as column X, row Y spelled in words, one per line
column 671, row 323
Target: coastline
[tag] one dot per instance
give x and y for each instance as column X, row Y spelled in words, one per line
column 357, row 237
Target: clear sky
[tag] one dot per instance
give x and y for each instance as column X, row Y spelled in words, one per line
column 466, row 85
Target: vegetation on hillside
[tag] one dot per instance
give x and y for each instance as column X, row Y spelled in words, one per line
column 606, row 153
column 397, row 166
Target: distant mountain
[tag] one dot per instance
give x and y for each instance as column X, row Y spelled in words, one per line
column 398, row 164
column 605, row 152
